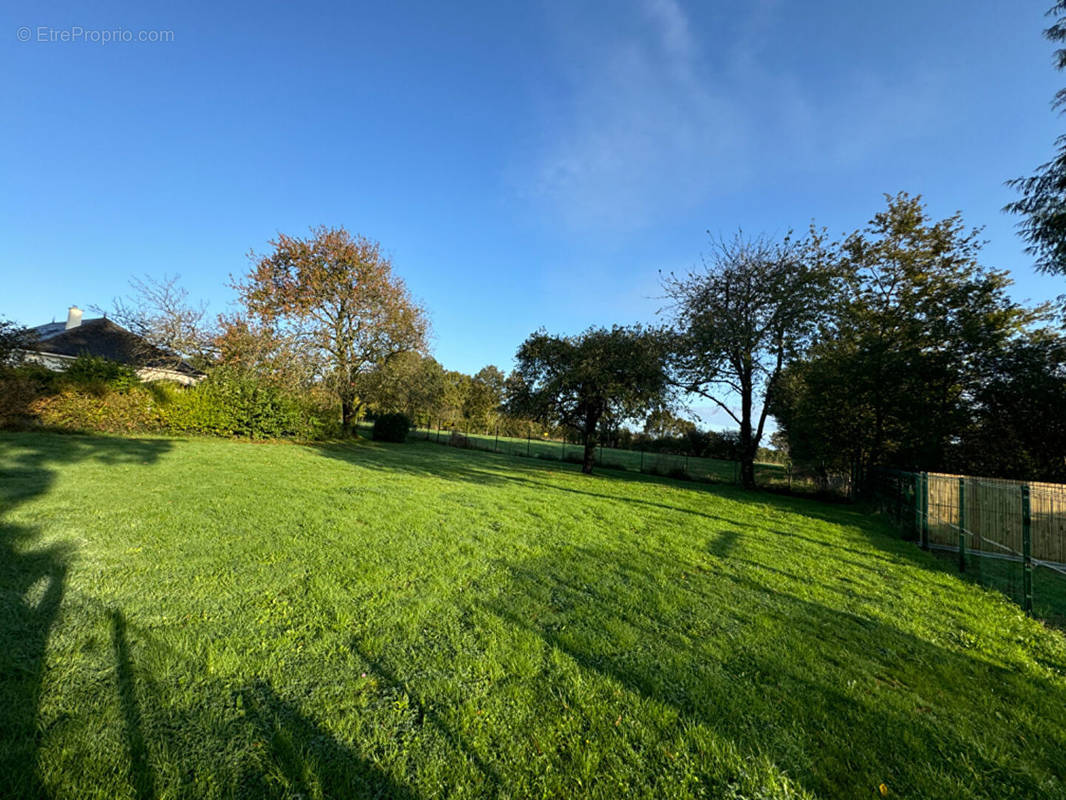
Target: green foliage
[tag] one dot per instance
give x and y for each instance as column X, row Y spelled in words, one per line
column 891, row 381
column 756, row 306
column 98, row 374
column 578, row 382
column 19, row 388
column 133, row 410
column 1019, row 425
column 391, row 428
column 97, row 397
column 408, row 383
column 230, row 402
column 13, row 339
column 1042, row 205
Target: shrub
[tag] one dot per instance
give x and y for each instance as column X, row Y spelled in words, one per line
column 110, row 412
column 232, row 403
column 102, row 396
column 98, row 375
column 391, row 428
column 19, row 387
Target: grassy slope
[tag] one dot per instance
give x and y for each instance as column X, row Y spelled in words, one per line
column 703, row 469
column 207, row 618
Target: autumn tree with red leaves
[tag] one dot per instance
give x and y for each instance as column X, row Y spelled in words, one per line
column 333, row 296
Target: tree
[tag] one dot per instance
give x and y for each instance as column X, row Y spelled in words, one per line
column 14, row 340
column 253, row 348
column 159, row 311
column 754, row 306
column 484, row 395
column 580, row 381
column 663, row 422
column 1019, row 430
column 1043, row 201
column 409, row 384
column 916, row 324
column 335, row 298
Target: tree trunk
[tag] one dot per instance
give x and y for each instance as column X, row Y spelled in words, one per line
column 590, row 456
column 747, row 470
column 747, row 443
column 348, row 411
column 592, row 419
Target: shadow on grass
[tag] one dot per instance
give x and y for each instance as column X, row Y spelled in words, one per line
column 485, row 468
column 32, row 583
column 140, row 771
column 837, row 701
column 190, row 734
column 493, row 783
column 455, row 464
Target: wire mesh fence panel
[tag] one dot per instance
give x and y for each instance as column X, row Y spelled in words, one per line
column 675, row 465
column 1007, row 535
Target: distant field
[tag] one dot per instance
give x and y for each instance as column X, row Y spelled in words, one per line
column 701, row 469
column 205, row 618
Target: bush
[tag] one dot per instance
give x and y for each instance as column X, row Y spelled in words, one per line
column 232, row 403
column 110, row 412
column 96, row 374
column 19, row 388
column 101, row 396
column 391, row 428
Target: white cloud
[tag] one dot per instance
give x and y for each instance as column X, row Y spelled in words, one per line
column 654, row 119
column 640, row 122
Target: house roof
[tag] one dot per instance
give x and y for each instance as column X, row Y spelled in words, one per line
column 103, row 338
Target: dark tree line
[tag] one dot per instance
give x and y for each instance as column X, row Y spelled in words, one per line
column 925, row 363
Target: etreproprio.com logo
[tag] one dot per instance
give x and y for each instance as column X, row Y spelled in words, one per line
column 77, row 34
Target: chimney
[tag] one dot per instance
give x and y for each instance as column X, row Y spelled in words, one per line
column 73, row 317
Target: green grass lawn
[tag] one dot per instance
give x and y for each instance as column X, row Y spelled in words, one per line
column 206, row 618
column 714, row 470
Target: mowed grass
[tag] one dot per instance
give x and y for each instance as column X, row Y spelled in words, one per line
column 203, row 618
column 713, row 470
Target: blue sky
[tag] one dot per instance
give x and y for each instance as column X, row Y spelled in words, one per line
column 524, row 164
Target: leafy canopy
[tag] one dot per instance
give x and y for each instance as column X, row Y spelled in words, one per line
column 1043, row 194
column 601, row 375
column 335, row 298
column 754, row 306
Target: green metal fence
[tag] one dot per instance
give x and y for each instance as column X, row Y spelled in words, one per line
column 1007, row 535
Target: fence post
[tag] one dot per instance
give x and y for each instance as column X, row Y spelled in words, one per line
column 962, row 524
column 529, row 439
column 917, row 505
column 925, row 510
column 642, row 457
column 899, row 500
column 496, row 447
column 562, row 450
column 438, row 431
column 1027, row 546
